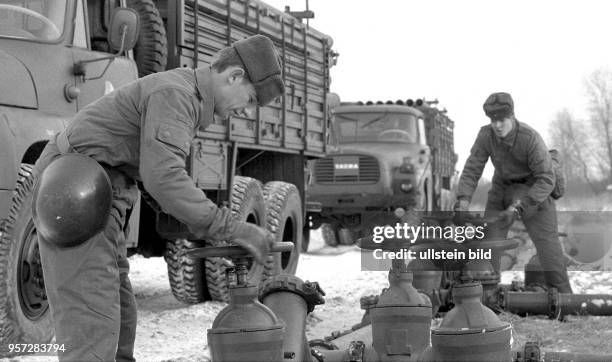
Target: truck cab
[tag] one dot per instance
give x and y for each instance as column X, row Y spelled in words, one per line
column 50, row 70
column 386, row 164
column 41, row 44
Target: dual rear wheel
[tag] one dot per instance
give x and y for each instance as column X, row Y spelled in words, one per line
column 334, row 236
column 276, row 206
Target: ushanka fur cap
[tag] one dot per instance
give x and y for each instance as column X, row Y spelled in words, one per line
column 498, row 106
column 262, row 65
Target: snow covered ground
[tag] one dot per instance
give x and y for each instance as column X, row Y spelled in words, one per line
column 171, row 331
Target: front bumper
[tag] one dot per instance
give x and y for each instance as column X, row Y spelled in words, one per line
column 361, row 211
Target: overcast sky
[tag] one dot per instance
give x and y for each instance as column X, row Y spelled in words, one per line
column 460, row 51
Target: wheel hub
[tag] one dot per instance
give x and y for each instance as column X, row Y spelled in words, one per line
column 31, row 285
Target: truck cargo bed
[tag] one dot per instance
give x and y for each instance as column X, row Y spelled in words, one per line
column 297, row 121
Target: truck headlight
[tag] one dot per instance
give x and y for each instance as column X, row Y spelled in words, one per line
column 406, row 166
column 406, row 186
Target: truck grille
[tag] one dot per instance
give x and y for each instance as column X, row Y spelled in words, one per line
column 325, row 171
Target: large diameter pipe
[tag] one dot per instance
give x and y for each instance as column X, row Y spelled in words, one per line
column 575, row 357
column 291, row 299
column 531, row 352
column 591, row 304
column 556, row 304
column 291, row 309
column 522, row 303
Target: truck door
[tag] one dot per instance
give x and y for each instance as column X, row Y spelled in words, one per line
column 89, row 43
column 35, row 64
column 102, row 76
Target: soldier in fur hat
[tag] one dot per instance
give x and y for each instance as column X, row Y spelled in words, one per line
column 522, row 184
column 142, row 133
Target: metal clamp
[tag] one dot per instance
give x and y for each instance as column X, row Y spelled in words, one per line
column 311, row 292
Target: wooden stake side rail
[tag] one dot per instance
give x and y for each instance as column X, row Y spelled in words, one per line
column 296, row 122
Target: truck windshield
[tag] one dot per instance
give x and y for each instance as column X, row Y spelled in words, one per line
column 377, row 127
column 32, row 19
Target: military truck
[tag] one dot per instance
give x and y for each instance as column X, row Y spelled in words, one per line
column 393, row 158
column 56, row 58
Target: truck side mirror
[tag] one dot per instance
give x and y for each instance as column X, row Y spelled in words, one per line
column 122, row 36
column 123, row 29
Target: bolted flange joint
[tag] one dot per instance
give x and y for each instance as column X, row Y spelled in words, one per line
column 311, row 292
column 554, row 307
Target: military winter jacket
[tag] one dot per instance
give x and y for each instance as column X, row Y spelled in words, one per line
column 520, row 157
column 145, row 129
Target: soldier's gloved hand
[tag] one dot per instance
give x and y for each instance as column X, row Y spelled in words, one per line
column 461, row 208
column 255, row 239
column 507, row 217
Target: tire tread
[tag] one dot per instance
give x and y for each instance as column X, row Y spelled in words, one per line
column 10, row 330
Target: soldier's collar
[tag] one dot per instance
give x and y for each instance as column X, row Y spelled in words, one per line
column 203, row 79
column 510, row 139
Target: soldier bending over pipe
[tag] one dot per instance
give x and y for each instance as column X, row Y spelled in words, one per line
column 522, row 183
column 143, row 132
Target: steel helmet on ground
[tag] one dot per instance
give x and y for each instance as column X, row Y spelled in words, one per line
column 72, row 200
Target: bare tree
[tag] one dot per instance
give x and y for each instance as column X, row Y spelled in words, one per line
column 599, row 90
column 570, row 138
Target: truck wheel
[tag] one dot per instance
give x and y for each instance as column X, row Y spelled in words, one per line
column 24, row 310
column 345, row 237
column 186, row 275
column 248, row 205
column 151, row 49
column 285, row 221
column 328, row 232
